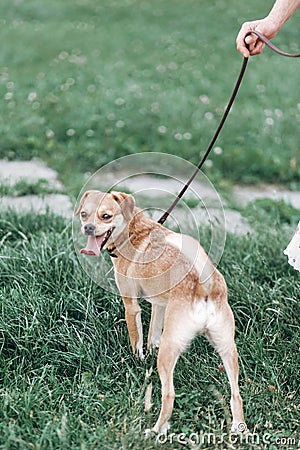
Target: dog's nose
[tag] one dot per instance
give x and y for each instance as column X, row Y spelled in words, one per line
column 89, row 228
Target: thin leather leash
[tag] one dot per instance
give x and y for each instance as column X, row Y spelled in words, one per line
column 223, row 119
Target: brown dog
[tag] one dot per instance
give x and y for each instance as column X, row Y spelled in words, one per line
column 172, row 271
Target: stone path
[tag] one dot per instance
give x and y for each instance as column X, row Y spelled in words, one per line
column 31, row 172
column 35, row 170
column 246, row 194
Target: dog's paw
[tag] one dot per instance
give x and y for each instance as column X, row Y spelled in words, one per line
column 149, row 433
column 139, row 353
column 152, row 350
column 141, row 356
column 153, row 345
column 239, row 428
column 157, row 432
column 161, row 429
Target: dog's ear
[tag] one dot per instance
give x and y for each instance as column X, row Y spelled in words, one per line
column 126, row 202
column 82, row 200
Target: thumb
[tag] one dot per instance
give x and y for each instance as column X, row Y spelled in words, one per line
column 251, row 39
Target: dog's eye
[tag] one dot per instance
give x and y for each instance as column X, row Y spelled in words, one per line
column 106, row 217
column 83, row 214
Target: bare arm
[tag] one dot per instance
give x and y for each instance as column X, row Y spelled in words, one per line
column 269, row 26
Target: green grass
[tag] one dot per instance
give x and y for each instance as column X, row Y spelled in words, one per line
column 270, row 212
column 24, row 187
column 68, row 379
column 85, row 82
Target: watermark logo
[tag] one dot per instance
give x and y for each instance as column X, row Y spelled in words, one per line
column 204, row 439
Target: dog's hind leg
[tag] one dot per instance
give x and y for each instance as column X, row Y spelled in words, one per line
column 134, row 325
column 230, row 361
column 166, row 361
column 176, row 336
column 156, row 326
column 221, row 336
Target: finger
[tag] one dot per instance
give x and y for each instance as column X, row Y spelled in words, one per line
column 251, row 39
column 243, row 49
column 257, row 49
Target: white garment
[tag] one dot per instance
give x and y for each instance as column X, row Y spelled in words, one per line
column 293, row 250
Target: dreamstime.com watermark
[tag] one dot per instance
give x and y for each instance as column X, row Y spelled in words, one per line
column 203, row 439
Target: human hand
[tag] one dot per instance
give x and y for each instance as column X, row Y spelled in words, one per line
column 255, row 46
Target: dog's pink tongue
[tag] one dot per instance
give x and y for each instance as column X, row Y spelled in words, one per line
column 91, row 248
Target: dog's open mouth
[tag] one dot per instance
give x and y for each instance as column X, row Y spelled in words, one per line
column 96, row 243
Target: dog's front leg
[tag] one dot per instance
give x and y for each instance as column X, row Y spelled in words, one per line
column 134, row 325
column 156, row 326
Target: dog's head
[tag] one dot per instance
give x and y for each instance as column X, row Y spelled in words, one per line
column 104, row 216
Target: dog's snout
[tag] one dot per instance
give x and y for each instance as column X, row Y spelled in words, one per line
column 89, row 229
